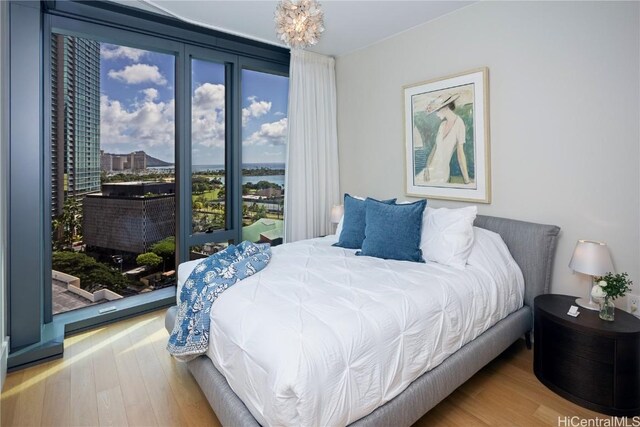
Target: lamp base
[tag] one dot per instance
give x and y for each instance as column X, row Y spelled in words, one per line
column 589, row 305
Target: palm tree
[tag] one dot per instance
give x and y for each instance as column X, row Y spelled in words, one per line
column 69, row 223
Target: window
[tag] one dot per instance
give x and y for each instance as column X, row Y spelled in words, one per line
column 208, row 146
column 68, row 171
column 113, row 197
column 130, row 198
column 264, row 131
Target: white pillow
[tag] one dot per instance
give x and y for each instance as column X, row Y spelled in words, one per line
column 447, row 235
column 491, row 254
column 488, row 249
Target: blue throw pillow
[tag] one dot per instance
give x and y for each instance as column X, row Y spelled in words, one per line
column 353, row 225
column 393, row 231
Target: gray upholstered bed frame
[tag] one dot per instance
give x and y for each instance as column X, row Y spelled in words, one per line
column 532, row 246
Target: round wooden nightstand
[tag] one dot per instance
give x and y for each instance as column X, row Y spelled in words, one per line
column 589, row 361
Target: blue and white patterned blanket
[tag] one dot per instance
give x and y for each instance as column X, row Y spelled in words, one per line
column 215, row 274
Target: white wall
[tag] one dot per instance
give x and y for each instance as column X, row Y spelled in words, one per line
column 564, row 110
column 3, row 204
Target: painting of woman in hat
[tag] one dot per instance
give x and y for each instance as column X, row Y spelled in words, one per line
column 449, row 139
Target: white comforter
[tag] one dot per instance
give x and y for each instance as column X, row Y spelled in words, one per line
column 324, row 337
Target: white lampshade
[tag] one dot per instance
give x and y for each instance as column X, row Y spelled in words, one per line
column 336, row 213
column 591, row 258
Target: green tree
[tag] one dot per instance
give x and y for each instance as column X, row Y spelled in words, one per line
column 88, row 270
column 68, row 225
column 149, row 259
column 261, row 212
column 165, row 249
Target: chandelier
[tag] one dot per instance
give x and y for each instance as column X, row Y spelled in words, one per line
column 299, row 23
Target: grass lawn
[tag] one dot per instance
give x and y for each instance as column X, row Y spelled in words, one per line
column 208, row 195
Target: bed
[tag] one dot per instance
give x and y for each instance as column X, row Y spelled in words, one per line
column 423, row 363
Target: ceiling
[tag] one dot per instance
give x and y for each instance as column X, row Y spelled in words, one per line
column 350, row 24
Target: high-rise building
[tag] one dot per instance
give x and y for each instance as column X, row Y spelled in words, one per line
column 138, row 161
column 75, row 118
column 135, row 161
column 106, row 161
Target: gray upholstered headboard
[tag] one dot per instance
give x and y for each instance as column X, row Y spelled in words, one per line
column 533, row 246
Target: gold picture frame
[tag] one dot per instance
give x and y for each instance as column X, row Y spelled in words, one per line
column 447, row 138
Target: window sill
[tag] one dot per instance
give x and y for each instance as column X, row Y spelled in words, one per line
column 52, row 344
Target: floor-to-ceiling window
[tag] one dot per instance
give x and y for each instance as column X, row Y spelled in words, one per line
column 208, row 137
column 264, row 149
column 125, row 159
column 145, row 150
column 112, row 143
column 209, row 169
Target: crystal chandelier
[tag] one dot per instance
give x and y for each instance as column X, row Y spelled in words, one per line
column 299, row 23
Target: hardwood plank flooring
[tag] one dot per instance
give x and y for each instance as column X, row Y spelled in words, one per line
column 121, row 375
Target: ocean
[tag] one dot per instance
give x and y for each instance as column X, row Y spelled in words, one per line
column 276, row 179
column 201, row 168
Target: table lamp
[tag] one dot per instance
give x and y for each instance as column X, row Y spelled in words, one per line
column 336, row 213
column 591, row 258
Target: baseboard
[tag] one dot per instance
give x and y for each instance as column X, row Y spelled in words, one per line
column 4, row 353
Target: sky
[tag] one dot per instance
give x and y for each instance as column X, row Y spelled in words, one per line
column 137, row 108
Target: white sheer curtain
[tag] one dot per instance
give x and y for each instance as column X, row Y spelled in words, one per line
column 312, row 176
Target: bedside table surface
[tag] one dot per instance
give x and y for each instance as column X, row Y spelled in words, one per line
column 587, row 320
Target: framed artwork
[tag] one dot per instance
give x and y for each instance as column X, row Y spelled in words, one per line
column 447, row 138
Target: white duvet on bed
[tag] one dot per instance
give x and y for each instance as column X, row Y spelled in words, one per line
column 324, row 337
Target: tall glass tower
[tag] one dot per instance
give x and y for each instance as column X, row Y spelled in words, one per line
column 75, row 118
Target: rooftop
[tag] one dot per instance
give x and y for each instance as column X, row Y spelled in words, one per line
column 129, row 183
column 264, row 226
column 63, row 300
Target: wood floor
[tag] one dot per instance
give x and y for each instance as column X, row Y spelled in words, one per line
column 121, row 375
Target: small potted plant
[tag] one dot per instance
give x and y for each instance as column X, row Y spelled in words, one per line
column 608, row 288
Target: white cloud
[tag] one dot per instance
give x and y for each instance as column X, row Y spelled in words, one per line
column 279, row 113
column 274, row 133
column 110, row 51
column 207, row 122
column 151, row 122
column 145, row 124
column 150, row 94
column 209, row 96
column 255, row 109
column 139, row 73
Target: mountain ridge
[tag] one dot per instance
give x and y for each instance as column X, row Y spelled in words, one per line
column 155, row 162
